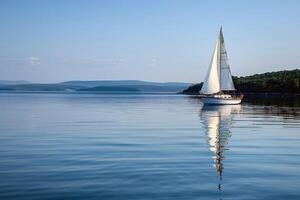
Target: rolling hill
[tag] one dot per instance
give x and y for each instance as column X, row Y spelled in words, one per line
column 98, row 86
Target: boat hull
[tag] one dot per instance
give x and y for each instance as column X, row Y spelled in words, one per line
column 220, row 101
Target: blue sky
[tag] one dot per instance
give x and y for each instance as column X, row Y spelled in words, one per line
column 57, row 40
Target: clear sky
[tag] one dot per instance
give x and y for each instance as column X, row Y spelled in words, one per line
column 57, row 40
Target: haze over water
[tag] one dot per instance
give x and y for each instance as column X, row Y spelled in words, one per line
column 110, row 146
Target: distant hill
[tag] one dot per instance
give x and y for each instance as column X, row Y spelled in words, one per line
column 98, row 86
column 140, row 88
column 287, row 81
column 111, row 88
column 122, row 83
column 6, row 82
column 39, row 87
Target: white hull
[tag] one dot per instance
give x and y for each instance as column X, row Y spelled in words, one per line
column 220, row 101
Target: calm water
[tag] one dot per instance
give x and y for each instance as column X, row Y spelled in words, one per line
column 85, row 146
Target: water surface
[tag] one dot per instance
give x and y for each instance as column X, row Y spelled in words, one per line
column 110, row 146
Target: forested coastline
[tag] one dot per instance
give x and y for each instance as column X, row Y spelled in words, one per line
column 287, row 81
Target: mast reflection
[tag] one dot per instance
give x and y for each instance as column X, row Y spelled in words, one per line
column 217, row 121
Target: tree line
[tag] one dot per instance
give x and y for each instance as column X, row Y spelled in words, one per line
column 287, row 81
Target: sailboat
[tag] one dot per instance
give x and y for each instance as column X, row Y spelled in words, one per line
column 218, row 86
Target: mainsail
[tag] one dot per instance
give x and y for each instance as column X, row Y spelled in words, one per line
column 225, row 76
column 218, row 77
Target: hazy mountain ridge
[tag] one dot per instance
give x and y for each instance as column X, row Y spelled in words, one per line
column 121, row 83
column 39, row 87
column 9, row 82
column 102, row 85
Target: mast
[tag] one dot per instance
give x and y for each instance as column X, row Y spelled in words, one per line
column 219, row 57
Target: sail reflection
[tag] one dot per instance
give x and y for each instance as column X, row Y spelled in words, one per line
column 217, row 121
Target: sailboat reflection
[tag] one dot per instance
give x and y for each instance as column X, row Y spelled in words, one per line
column 217, row 121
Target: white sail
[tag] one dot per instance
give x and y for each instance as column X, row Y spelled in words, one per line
column 211, row 84
column 225, row 76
